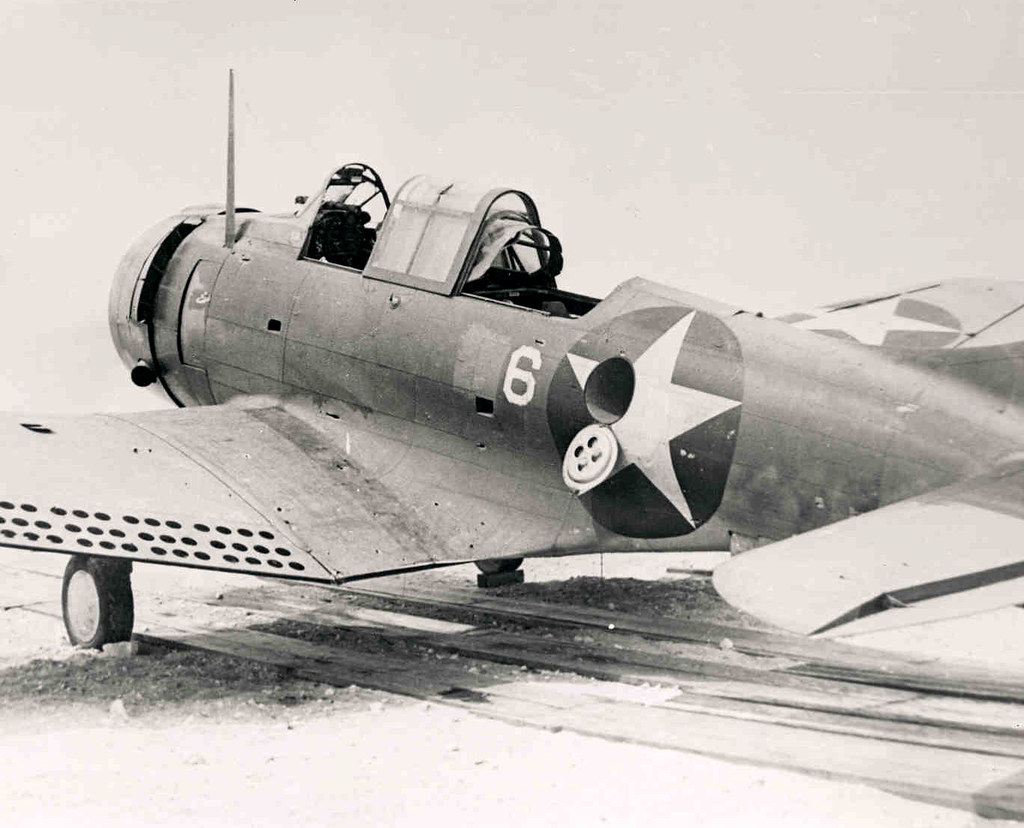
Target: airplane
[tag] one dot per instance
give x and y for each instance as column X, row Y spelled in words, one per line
column 373, row 385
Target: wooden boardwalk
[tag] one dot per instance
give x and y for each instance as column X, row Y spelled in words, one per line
column 944, row 734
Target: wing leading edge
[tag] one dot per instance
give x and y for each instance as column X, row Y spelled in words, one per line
column 948, row 553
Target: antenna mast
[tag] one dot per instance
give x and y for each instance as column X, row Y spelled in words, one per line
column 229, row 201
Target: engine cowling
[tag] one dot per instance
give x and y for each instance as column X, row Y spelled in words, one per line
column 144, row 308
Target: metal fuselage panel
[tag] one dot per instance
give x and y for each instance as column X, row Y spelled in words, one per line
column 462, row 406
column 832, row 429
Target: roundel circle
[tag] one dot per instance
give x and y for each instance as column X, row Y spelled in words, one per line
column 664, row 387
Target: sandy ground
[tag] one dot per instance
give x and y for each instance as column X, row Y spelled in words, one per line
column 184, row 738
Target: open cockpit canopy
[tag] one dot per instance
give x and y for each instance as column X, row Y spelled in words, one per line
column 453, row 238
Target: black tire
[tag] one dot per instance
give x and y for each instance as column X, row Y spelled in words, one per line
column 96, row 601
column 494, row 566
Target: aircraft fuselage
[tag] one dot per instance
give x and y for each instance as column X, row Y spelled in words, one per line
column 733, row 429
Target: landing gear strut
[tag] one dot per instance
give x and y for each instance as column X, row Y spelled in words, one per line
column 499, row 572
column 96, row 600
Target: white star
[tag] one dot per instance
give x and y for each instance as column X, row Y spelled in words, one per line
column 659, row 411
column 870, row 323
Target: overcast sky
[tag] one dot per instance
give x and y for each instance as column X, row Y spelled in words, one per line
column 775, row 155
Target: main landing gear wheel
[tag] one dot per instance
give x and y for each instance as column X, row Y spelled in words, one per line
column 96, row 601
column 499, row 572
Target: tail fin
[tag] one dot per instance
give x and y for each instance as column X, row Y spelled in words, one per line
column 990, row 352
column 997, row 368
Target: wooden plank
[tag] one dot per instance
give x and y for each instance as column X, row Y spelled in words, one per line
column 813, row 696
column 951, row 680
column 974, row 713
column 346, row 613
column 912, row 708
column 883, row 729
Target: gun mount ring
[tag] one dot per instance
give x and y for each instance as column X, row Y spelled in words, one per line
column 590, row 458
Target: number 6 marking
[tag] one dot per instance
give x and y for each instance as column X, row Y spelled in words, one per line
column 527, row 379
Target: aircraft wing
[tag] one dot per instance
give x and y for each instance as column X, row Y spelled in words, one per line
column 952, row 552
column 951, row 314
column 253, row 490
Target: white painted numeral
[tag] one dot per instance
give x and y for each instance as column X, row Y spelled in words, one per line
column 521, row 376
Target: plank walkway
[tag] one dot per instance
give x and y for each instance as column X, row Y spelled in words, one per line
column 970, row 771
column 942, row 734
column 817, row 657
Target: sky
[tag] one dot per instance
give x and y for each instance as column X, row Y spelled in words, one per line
column 773, row 155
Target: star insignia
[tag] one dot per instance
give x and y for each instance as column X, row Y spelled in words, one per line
column 659, row 411
column 871, row 323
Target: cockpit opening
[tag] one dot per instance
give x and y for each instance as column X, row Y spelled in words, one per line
column 352, row 205
column 518, row 262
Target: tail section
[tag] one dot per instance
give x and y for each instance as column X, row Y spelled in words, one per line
column 947, row 315
column 969, row 329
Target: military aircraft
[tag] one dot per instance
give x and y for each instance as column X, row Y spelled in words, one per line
column 377, row 384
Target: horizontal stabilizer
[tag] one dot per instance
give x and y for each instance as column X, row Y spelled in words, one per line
column 956, row 313
column 948, row 553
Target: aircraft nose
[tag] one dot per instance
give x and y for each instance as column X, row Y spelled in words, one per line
column 133, row 293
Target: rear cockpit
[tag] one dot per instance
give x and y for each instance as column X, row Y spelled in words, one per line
column 452, row 239
column 517, row 261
